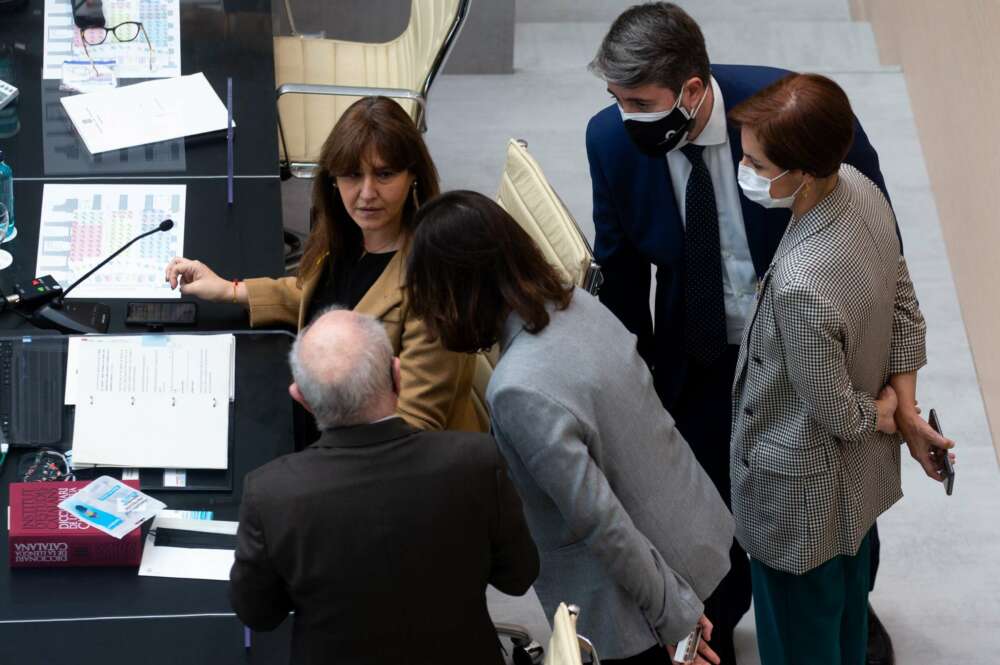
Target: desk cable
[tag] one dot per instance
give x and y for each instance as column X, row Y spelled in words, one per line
column 5, row 305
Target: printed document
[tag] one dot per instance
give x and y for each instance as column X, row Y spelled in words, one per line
column 158, row 57
column 151, row 401
column 182, row 556
column 82, row 224
column 146, row 112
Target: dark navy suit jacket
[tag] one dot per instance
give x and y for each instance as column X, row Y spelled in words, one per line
column 638, row 224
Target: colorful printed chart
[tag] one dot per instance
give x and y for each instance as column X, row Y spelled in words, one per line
column 135, row 59
column 83, row 224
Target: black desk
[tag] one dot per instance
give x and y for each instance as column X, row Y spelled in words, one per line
column 171, row 621
column 62, row 616
column 238, row 242
column 221, row 39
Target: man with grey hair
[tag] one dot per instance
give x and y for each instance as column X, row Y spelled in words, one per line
column 347, row 375
column 663, row 164
column 381, row 538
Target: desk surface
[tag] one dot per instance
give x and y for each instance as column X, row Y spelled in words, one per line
column 96, row 596
column 59, row 616
column 230, row 39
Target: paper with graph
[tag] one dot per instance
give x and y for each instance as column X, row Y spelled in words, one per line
column 82, row 224
column 160, row 58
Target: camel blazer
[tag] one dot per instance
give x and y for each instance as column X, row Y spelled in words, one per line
column 436, row 388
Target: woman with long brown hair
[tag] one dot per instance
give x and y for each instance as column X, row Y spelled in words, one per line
column 626, row 521
column 374, row 172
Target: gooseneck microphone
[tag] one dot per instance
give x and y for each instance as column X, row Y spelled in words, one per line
column 165, row 225
column 44, row 299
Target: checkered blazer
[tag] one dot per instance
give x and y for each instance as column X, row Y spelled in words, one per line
column 835, row 316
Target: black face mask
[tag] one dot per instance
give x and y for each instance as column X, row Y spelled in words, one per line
column 659, row 136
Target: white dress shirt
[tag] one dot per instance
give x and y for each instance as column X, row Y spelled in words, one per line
column 739, row 280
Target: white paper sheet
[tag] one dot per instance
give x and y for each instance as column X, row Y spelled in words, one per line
column 187, row 562
column 146, row 113
column 135, row 59
column 82, row 224
column 152, row 401
column 73, row 370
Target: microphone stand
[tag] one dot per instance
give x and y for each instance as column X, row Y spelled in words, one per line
column 85, row 318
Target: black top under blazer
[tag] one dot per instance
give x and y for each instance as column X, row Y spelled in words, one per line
column 382, row 539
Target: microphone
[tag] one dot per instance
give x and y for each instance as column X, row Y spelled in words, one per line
column 165, row 225
column 50, row 310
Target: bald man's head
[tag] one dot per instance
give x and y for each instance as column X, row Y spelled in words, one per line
column 343, row 368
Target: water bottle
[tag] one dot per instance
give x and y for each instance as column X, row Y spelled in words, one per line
column 7, row 194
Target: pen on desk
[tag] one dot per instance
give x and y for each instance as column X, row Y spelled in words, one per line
column 246, row 639
column 229, row 140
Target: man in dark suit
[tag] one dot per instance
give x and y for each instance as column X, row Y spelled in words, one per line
column 663, row 163
column 380, row 537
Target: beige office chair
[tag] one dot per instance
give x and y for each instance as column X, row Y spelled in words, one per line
column 529, row 198
column 317, row 79
column 566, row 646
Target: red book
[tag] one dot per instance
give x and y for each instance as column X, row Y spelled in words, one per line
column 42, row 536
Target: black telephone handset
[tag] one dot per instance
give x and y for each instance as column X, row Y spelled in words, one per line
column 88, row 13
column 945, row 467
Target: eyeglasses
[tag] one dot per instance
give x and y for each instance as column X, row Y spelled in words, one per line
column 127, row 31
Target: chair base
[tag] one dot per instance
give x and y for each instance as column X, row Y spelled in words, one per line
column 290, row 170
column 294, row 244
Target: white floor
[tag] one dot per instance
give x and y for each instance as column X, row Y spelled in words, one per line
column 939, row 585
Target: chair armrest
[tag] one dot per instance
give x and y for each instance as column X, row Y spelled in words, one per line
column 587, row 648
column 349, row 91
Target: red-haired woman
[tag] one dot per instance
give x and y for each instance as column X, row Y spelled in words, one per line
column 815, row 454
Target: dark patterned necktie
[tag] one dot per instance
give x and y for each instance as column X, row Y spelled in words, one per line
column 704, row 308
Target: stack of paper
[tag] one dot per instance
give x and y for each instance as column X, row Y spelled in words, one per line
column 151, row 401
column 146, row 113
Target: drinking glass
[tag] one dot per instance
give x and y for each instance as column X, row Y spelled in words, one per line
column 5, row 258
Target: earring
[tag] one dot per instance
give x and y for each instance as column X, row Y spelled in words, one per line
column 413, row 189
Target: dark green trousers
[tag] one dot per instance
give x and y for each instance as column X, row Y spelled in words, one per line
column 819, row 618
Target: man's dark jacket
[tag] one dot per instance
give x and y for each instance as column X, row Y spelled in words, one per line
column 637, row 223
column 382, row 539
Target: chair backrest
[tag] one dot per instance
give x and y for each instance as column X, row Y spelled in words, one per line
column 433, row 27
column 565, row 645
column 410, row 62
column 527, row 196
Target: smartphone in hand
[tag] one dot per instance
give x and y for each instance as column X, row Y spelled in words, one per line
column 945, row 467
column 687, row 649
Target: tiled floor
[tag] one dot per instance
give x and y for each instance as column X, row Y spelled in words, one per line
column 939, row 585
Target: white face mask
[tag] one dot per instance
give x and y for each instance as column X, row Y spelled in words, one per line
column 757, row 188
